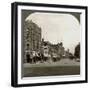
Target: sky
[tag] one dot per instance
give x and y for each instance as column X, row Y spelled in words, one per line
column 58, row 27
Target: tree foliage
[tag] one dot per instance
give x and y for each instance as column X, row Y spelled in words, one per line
column 77, row 51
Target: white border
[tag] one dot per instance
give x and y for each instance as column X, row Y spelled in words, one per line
column 45, row 79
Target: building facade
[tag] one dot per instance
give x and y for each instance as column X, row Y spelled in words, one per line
column 32, row 38
column 52, row 50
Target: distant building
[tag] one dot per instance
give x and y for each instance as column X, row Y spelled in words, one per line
column 61, row 50
column 67, row 53
column 52, row 49
column 32, row 37
column 45, row 48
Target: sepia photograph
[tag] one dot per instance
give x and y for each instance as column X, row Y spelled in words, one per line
column 49, row 44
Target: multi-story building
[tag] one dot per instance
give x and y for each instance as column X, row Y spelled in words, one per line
column 61, row 50
column 32, row 38
column 54, row 50
column 45, row 48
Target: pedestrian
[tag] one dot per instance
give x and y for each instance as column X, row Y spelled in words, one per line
column 28, row 57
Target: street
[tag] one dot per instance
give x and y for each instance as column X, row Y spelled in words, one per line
column 49, row 68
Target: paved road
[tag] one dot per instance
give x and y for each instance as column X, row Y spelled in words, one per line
column 62, row 62
column 49, row 68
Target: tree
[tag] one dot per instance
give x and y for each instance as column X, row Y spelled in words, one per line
column 77, row 51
